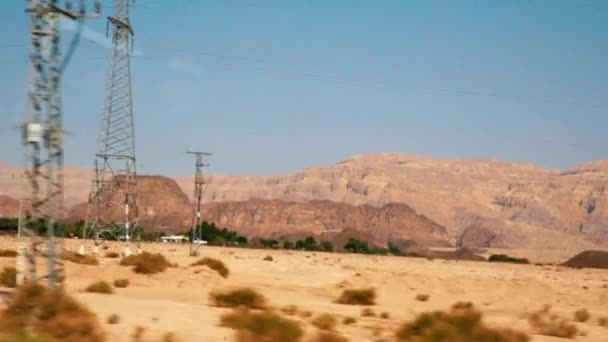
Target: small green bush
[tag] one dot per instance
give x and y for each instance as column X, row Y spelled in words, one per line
column 506, row 258
column 8, row 277
column 100, row 287
column 241, row 297
column 122, row 283
column 325, row 322
column 261, row 326
column 7, row 253
column 357, row 297
column 214, row 264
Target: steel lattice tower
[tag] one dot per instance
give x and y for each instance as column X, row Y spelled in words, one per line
column 43, row 143
column 199, row 182
column 113, row 192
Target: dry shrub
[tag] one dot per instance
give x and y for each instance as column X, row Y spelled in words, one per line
column 603, row 321
column 25, row 337
column 305, row 314
column 169, row 337
column 7, row 253
column 112, row 255
column 8, row 277
column 261, row 326
column 422, row 297
column 458, row 325
column 325, row 322
column 582, row 315
column 290, row 310
column 385, row 315
column 549, row 324
column 146, row 263
column 367, row 312
column 50, row 313
column 462, row 306
column 100, row 287
column 214, row 264
column 122, row 283
column 357, row 297
column 113, row 319
column 138, row 334
column 268, row 258
column 328, row 336
column 241, row 297
column 349, row 320
column 80, row 259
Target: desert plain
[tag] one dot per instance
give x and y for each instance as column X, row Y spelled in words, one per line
column 177, row 300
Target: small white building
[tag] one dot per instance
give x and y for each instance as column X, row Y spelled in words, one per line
column 174, row 239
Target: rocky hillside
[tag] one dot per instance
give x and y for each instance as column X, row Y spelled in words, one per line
column 162, row 205
column 394, row 222
column 9, row 207
column 480, row 202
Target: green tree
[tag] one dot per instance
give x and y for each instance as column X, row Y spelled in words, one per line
column 327, row 246
column 287, row 244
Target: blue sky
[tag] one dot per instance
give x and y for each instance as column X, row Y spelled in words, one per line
column 272, row 86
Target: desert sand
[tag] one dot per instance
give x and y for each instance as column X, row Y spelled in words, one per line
column 177, row 299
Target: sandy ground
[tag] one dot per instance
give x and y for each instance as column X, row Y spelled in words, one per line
column 177, row 300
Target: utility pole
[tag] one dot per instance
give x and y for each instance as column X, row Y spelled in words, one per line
column 199, row 181
column 112, row 209
column 43, row 137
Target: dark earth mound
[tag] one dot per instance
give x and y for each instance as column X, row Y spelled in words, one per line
column 589, row 259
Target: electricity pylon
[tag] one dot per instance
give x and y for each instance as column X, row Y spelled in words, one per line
column 199, row 182
column 43, row 136
column 112, row 208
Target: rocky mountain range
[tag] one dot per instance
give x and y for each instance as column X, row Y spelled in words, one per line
column 477, row 202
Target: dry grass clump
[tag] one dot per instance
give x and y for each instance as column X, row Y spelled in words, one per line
column 138, row 334
column 422, row 297
column 549, row 324
column 582, row 315
column 261, row 326
column 121, row 283
column 7, row 253
column 113, row 319
column 169, row 337
column 268, row 258
column 80, row 259
column 214, row 264
column 358, row 297
column 290, row 310
column 38, row 311
column 112, row 255
column 8, row 277
column 460, row 324
column 100, row 287
column 349, row 320
column 146, row 263
column 328, row 336
column 367, row 312
column 385, row 315
column 325, row 322
column 603, row 321
column 241, row 297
